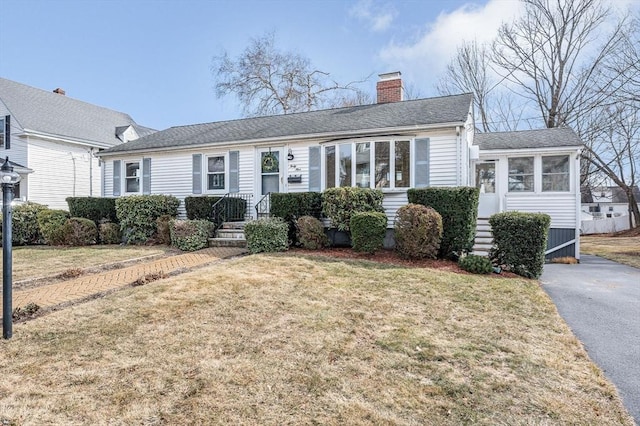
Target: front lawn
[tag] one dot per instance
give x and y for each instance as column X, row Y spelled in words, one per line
column 283, row 339
column 621, row 249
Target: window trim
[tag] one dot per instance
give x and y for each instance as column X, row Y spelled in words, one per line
column 126, row 178
column 543, row 174
column 205, row 173
column 372, row 142
column 532, row 174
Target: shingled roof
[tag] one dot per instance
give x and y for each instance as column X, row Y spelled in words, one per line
column 527, row 139
column 54, row 114
column 338, row 122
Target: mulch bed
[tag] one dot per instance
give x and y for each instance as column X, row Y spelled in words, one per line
column 392, row 258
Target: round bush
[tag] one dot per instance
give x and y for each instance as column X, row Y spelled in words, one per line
column 310, row 233
column 190, row 235
column 25, row 230
column 368, row 230
column 267, row 235
column 51, row 223
column 476, row 264
column 110, row 233
column 79, row 231
column 418, row 231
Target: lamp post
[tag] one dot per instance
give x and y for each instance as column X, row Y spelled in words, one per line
column 8, row 178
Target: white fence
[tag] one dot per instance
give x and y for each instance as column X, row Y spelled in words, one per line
column 605, row 225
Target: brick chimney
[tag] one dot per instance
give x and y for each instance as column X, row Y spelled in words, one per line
column 389, row 87
column 59, row 91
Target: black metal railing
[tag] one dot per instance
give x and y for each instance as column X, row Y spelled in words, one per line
column 232, row 207
column 263, row 207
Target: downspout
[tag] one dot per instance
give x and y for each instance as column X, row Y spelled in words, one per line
column 460, row 159
column 90, row 172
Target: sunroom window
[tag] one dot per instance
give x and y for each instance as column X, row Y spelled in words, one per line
column 555, row 173
column 521, row 174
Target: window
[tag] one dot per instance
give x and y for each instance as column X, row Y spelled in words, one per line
column 132, row 177
column 555, row 173
column 353, row 167
column 215, row 173
column 521, row 174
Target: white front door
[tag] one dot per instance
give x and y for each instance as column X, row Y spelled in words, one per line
column 486, row 178
column 270, row 170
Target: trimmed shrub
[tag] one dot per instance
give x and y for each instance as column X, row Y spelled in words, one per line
column 291, row 206
column 79, row 231
column 310, row 233
column 229, row 210
column 95, row 208
column 137, row 215
column 458, row 208
column 367, row 231
column 339, row 204
column 163, row 229
column 519, row 241
column 190, row 235
column 476, row 264
column 109, row 233
column 25, row 229
column 266, row 235
column 418, row 231
column 51, row 223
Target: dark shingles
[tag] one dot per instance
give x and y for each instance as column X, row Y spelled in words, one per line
column 543, row 138
column 422, row 112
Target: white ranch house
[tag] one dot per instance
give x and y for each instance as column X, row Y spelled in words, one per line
column 393, row 145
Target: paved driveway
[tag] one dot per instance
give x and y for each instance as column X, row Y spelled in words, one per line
column 600, row 300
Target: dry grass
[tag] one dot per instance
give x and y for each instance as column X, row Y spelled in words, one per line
column 278, row 339
column 618, row 248
column 41, row 261
column 566, row 260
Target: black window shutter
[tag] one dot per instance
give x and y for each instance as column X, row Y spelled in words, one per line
column 314, row 169
column 196, row 171
column 116, row 178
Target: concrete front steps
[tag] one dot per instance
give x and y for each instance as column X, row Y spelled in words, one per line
column 230, row 234
column 484, row 238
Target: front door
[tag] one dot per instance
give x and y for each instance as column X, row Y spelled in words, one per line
column 270, row 162
column 485, row 175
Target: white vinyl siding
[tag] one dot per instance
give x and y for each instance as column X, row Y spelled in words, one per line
column 443, row 161
column 561, row 208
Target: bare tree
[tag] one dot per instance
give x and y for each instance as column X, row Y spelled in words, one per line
column 554, row 56
column 269, row 81
column 469, row 72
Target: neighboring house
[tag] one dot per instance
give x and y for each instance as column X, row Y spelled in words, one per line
column 393, row 145
column 52, row 140
column 607, row 201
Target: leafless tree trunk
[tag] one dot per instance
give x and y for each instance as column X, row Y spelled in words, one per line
column 268, row 81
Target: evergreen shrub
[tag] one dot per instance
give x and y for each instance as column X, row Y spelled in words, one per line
column 79, row 231
column 417, row 231
column 266, row 235
column 519, row 241
column 368, row 230
column 339, row 204
column 310, row 233
column 51, row 223
column 190, row 235
column 137, row 215
column 476, row 264
column 98, row 209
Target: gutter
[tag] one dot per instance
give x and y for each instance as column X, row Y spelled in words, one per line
column 285, row 139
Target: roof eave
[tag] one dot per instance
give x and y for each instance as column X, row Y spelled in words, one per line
column 68, row 139
column 537, row 150
column 284, row 139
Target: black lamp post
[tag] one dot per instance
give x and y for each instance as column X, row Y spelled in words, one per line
column 8, row 178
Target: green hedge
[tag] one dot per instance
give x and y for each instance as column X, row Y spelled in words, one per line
column 266, row 235
column 367, row 231
column 519, row 241
column 137, row 215
column 339, row 204
column 94, row 208
column 229, row 210
column 25, row 229
column 292, row 206
column 190, row 235
column 51, row 223
column 459, row 210
column 79, row 231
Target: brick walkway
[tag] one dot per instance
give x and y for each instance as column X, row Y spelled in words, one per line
column 87, row 285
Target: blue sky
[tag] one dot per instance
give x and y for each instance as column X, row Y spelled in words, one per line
column 152, row 59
